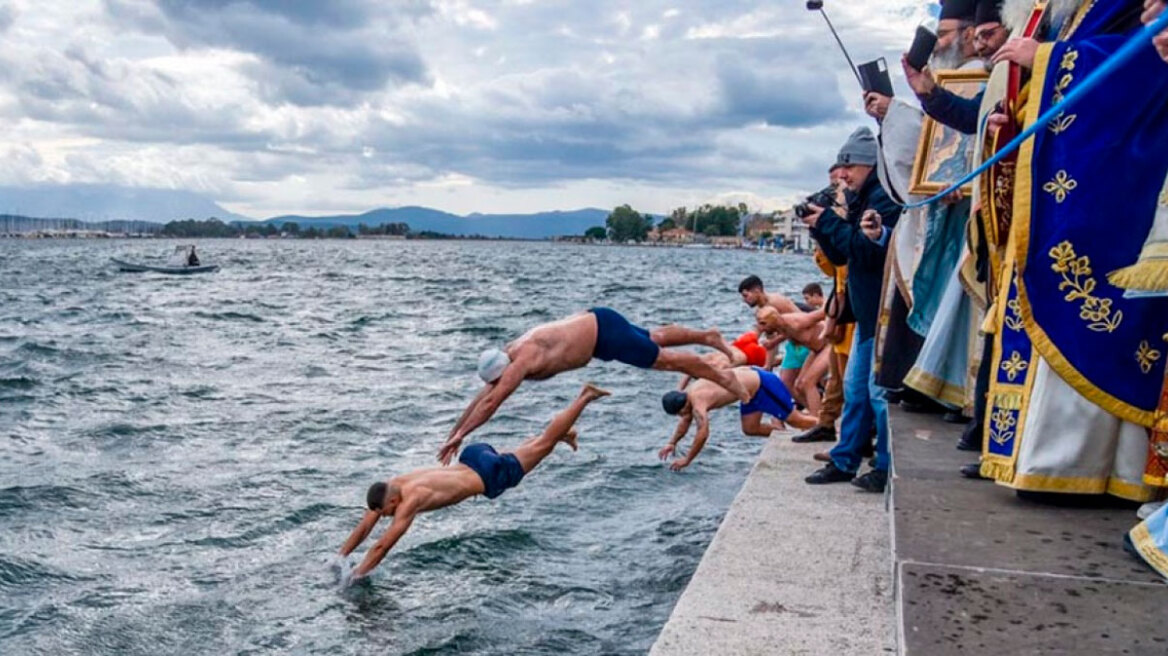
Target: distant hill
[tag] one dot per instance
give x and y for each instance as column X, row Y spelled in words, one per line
column 103, row 206
column 15, row 224
column 539, row 225
column 95, row 203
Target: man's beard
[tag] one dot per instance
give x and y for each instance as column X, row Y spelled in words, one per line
column 1015, row 13
column 947, row 59
column 1062, row 10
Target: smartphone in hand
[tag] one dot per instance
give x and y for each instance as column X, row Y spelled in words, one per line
column 922, row 48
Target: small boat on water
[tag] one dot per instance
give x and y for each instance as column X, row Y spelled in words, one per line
column 183, row 262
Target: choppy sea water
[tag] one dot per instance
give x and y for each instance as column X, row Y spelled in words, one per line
column 180, row 456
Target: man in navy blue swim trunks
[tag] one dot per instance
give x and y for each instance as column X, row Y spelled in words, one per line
column 572, row 343
column 768, row 395
column 480, row 470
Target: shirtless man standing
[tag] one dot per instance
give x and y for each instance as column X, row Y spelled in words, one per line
column 755, row 296
column 804, row 329
column 768, row 395
column 572, row 343
column 481, row 470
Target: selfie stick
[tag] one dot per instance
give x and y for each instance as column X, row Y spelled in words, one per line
column 817, row 5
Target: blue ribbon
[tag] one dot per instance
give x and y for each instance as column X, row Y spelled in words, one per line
column 1121, row 57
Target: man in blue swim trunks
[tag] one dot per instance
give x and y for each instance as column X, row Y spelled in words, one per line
column 768, row 395
column 480, row 470
column 572, row 343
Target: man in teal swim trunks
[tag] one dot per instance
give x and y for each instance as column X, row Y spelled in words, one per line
column 768, row 395
column 481, row 470
column 572, row 343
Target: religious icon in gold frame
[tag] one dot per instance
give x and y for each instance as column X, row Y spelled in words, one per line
column 944, row 155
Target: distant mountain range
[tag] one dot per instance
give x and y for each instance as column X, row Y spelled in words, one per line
column 113, row 208
column 540, row 225
column 95, row 203
column 12, row 223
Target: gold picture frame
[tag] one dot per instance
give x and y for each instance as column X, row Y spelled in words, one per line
column 940, row 161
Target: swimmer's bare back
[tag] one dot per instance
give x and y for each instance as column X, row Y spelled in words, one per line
column 555, row 347
column 437, row 487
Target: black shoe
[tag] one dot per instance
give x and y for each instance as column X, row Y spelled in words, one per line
column 817, row 434
column 893, row 396
column 973, row 471
column 873, row 481
column 955, row 417
column 970, row 438
column 968, row 445
column 916, row 407
column 829, row 474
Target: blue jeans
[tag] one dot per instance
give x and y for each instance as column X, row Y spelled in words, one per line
column 864, row 403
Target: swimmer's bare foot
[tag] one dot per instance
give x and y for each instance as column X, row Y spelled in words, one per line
column 592, row 392
column 713, row 339
column 569, row 438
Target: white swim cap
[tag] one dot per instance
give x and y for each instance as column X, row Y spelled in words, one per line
column 491, row 364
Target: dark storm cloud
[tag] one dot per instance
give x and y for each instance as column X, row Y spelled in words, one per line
column 791, row 97
column 311, row 53
column 515, row 95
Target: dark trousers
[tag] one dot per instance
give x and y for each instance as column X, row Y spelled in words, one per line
column 974, row 429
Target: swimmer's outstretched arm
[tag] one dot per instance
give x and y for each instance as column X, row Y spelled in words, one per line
column 700, row 438
column 368, row 521
column 482, row 409
column 402, row 518
column 466, row 413
column 683, row 424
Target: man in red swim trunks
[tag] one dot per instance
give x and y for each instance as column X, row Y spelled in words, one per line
column 744, row 351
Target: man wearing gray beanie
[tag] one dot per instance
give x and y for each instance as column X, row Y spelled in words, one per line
column 859, row 240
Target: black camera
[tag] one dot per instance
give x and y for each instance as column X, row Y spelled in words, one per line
column 824, row 198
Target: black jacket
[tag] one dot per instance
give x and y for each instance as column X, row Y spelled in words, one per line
column 953, row 110
column 843, row 242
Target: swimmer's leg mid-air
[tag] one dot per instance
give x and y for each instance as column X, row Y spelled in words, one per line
column 480, row 470
column 573, row 342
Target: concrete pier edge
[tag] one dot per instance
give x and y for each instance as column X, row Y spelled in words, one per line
column 793, row 569
column 942, row 565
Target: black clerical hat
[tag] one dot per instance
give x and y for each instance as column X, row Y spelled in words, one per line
column 988, row 11
column 960, row 9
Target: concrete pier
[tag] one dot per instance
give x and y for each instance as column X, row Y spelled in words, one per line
column 794, row 569
column 980, row 571
column 947, row 566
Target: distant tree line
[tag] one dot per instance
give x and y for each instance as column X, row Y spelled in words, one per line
column 626, row 224
column 214, row 228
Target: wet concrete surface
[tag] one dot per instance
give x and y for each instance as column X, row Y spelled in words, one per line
column 980, row 571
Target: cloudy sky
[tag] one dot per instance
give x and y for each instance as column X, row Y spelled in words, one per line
column 306, row 106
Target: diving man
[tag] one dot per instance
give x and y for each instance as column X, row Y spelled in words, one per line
column 480, row 470
column 768, row 395
column 572, row 343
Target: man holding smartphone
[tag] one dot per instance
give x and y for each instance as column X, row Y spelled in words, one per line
column 863, row 248
column 989, row 35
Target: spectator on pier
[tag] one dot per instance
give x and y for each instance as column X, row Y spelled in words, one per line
column 859, row 240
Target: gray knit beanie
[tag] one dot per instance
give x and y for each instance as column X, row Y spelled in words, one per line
column 859, row 149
